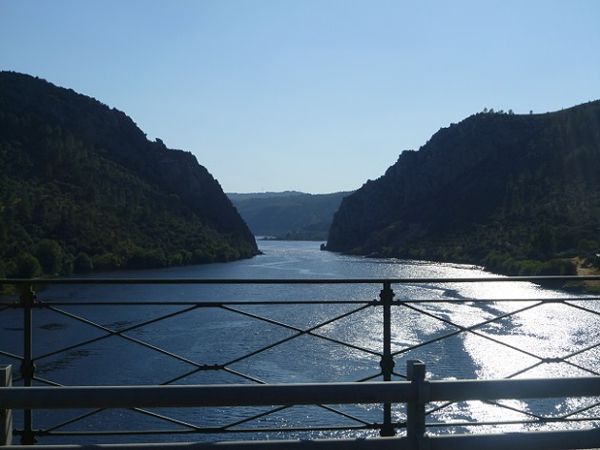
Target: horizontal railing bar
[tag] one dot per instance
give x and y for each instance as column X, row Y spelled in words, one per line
column 463, row 390
column 203, row 395
column 323, row 444
column 213, row 304
column 293, row 394
column 538, row 440
column 96, row 281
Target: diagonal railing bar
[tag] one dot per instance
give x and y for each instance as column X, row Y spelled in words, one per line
column 434, row 340
column 399, row 375
column 526, row 369
column 119, row 333
column 553, row 360
column 341, row 413
column 96, row 411
column 328, row 408
column 138, row 410
column 590, row 347
column 514, row 409
column 370, row 377
column 582, row 350
column 462, row 329
column 345, row 414
column 471, row 329
column 11, row 355
column 192, row 372
column 577, row 366
column 309, row 331
column 215, row 368
column 142, row 344
column 500, row 405
column 580, row 410
column 46, row 381
column 110, row 333
column 243, row 375
column 438, row 408
column 301, row 333
column 557, row 360
column 266, row 413
column 255, row 417
column 581, row 307
column 165, row 418
column 282, row 408
column 72, row 421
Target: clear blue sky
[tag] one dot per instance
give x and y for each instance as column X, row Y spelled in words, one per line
column 314, row 95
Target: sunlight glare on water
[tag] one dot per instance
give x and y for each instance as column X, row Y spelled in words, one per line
column 496, row 344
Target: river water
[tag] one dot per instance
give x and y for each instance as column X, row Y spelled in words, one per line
column 208, row 336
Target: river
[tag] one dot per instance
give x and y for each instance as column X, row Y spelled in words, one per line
column 220, row 336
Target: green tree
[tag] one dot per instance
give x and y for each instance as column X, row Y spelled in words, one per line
column 83, row 263
column 27, row 266
column 49, row 254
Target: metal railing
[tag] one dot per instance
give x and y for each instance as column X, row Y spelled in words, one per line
column 416, row 393
column 29, row 302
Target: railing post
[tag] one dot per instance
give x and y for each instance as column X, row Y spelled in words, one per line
column 386, row 296
column 415, row 410
column 5, row 414
column 27, row 366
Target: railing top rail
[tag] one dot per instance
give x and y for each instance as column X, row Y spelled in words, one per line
column 166, row 281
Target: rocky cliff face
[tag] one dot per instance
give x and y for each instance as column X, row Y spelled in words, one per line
column 492, row 184
column 93, row 161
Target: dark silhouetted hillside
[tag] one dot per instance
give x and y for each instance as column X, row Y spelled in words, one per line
column 82, row 187
column 512, row 192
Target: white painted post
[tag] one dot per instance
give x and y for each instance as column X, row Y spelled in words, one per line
column 5, row 414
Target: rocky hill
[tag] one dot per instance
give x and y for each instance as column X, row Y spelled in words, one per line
column 81, row 187
column 517, row 193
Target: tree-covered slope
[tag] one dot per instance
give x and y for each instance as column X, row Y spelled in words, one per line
column 290, row 214
column 82, row 187
column 508, row 191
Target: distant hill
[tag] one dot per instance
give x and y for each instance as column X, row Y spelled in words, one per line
column 235, row 197
column 519, row 194
column 81, row 187
column 289, row 214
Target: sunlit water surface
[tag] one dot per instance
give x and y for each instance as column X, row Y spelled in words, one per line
column 220, row 336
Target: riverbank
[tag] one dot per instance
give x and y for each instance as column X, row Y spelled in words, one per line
column 591, row 287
